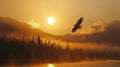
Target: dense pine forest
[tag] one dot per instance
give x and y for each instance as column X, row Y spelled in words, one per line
column 32, row 49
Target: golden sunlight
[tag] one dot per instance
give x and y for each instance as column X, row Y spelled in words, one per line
column 51, row 20
column 50, row 65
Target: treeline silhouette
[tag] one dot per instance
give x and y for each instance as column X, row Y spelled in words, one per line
column 33, row 49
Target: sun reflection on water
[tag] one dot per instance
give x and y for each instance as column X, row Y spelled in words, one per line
column 50, row 65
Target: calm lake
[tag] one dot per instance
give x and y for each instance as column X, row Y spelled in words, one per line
column 77, row 64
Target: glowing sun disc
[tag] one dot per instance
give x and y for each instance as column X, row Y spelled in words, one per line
column 51, row 20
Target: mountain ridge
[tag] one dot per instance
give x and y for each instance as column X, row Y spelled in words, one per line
column 10, row 25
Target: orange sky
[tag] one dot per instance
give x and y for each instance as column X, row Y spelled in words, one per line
column 66, row 12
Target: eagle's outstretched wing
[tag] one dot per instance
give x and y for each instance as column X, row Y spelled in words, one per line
column 77, row 25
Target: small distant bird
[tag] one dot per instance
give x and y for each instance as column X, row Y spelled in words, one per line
column 77, row 25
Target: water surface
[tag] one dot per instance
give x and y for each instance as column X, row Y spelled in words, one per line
column 77, row 64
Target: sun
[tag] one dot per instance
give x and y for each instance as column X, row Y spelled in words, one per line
column 51, row 20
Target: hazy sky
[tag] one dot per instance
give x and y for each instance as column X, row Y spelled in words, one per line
column 66, row 12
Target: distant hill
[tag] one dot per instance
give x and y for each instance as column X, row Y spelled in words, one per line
column 9, row 25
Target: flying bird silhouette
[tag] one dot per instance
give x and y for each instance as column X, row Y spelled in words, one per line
column 77, row 25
